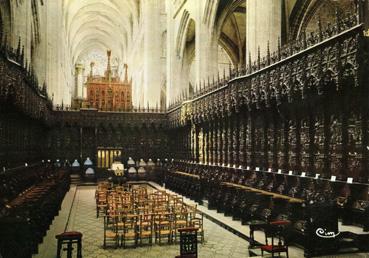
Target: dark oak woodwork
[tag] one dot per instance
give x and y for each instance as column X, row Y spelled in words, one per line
column 303, row 108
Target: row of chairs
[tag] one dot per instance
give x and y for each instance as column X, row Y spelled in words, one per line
column 138, row 229
column 132, row 214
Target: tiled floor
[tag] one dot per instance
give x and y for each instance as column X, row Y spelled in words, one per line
column 79, row 206
column 48, row 248
column 294, row 252
column 219, row 242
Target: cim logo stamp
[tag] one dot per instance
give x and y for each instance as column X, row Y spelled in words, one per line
column 323, row 233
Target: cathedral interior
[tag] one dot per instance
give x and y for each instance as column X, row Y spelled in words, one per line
column 184, row 128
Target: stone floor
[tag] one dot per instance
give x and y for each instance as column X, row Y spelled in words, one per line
column 219, row 242
column 47, row 248
column 79, row 213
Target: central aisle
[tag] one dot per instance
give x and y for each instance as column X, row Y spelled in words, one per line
column 218, row 241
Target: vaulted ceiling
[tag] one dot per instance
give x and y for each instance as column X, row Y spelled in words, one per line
column 99, row 25
column 233, row 30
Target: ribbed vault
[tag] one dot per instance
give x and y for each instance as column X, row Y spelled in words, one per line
column 98, row 25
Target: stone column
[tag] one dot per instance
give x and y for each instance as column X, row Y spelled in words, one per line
column 263, row 25
column 78, row 87
column 54, row 78
column 152, row 52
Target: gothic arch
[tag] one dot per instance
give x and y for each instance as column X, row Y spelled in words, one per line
column 306, row 13
column 297, row 15
column 229, row 29
column 188, row 55
column 229, row 33
column 210, row 12
column 182, row 29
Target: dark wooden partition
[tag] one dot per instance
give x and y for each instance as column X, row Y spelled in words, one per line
column 303, row 108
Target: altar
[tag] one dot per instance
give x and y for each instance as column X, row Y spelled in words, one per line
column 118, row 168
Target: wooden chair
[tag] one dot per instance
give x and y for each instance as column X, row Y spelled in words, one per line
column 176, row 201
column 142, row 209
column 127, row 199
column 110, row 231
column 180, row 207
column 140, row 192
column 120, row 221
column 128, row 208
column 180, row 220
column 145, row 228
column 198, row 223
column 160, row 208
column 276, row 234
column 192, row 211
column 129, row 229
column 163, row 227
column 119, row 188
column 101, row 204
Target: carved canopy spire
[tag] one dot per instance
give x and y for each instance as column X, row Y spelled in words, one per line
column 108, row 69
column 125, row 73
column 92, row 64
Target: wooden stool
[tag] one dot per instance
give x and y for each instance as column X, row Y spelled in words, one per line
column 69, row 238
